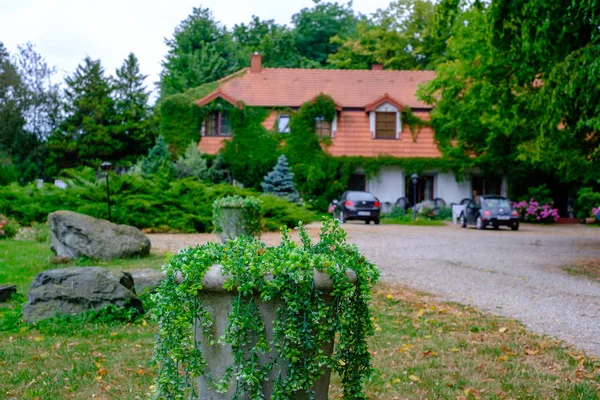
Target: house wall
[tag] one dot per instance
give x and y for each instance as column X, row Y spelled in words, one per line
column 388, row 185
column 447, row 188
column 354, row 138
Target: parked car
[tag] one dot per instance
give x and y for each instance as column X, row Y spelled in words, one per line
column 489, row 210
column 356, row 205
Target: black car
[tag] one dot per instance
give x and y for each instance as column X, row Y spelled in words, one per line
column 489, row 210
column 361, row 206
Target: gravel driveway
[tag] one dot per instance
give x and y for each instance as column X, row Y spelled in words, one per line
column 515, row 274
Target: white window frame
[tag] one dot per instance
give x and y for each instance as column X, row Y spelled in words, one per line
column 287, row 128
column 385, row 107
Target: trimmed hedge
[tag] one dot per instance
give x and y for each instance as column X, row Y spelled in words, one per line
column 155, row 204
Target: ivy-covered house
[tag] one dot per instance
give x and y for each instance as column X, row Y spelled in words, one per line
column 377, row 116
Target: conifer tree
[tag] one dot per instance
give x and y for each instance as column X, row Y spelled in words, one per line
column 280, row 181
column 86, row 135
column 192, row 163
column 158, row 159
column 135, row 125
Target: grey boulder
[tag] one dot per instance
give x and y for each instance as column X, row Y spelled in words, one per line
column 77, row 289
column 146, row 279
column 76, row 235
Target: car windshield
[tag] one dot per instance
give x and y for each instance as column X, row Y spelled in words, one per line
column 496, row 203
column 366, row 196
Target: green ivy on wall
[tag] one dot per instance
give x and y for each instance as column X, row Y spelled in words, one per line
column 253, row 150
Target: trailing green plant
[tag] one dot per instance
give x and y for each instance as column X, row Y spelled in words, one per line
column 248, row 221
column 305, row 320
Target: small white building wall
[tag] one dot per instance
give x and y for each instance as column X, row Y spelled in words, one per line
column 388, row 185
column 447, row 188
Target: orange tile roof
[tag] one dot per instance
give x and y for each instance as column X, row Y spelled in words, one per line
column 290, row 87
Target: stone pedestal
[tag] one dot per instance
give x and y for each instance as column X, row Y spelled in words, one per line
column 219, row 356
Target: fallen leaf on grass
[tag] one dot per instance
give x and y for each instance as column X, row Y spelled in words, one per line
column 430, row 353
column 530, row 352
column 414, row 378
column 503, row 329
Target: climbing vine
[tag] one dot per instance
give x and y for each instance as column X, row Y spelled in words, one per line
column 305, row 321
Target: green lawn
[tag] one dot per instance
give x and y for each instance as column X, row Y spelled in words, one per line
column 21, row 261
column 421, row 349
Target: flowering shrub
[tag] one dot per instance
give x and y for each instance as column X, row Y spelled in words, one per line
column 8, row 227
column 532, row 211
column 596, row 212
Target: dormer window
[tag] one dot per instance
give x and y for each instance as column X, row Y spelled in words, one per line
column 385, row 118
column 217, row 123
column 322, row 127
column 385, row 125
column 283, row 123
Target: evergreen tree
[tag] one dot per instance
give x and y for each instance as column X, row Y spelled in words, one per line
column 158, row 159
column 86, row 136
column 12, row 121
column 219, row 172
column 199, row 52
column 135, row 126
column 280, row 181
column 192, row 163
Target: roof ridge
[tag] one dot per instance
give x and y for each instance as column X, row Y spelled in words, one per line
column 351, row 70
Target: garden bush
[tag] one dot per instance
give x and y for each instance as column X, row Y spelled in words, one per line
column 155, row 203
column 8, row 227
column 587, row 201
column 533, row 211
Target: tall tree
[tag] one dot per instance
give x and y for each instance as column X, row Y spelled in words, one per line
column 87, row 134
column 200, row 51
column 314, row 28
column 552, row 48
column 275, row 42
column 13, row 136
column 399, row 37
column 134, row 122
column 477, row 118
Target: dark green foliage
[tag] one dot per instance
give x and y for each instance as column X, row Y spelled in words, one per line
column 156, row 203
column 180, row 117
column 280, row 181
column 200, row 51
column 541, row 194
column 158, row 160
column 278, row 212
column 401, row 37
column 253, row 150
column 85, row 136
column 314, row 28
column 587, row 199
column 192, row 163
column 135, row 123
column 305, row 321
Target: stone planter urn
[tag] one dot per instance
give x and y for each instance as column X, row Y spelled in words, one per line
column 235, row 216
column 218, row 302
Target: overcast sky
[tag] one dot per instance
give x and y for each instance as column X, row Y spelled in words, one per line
column 65, row 31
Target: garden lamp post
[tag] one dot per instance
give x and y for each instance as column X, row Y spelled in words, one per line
column 415, row 180
column 106, row 166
